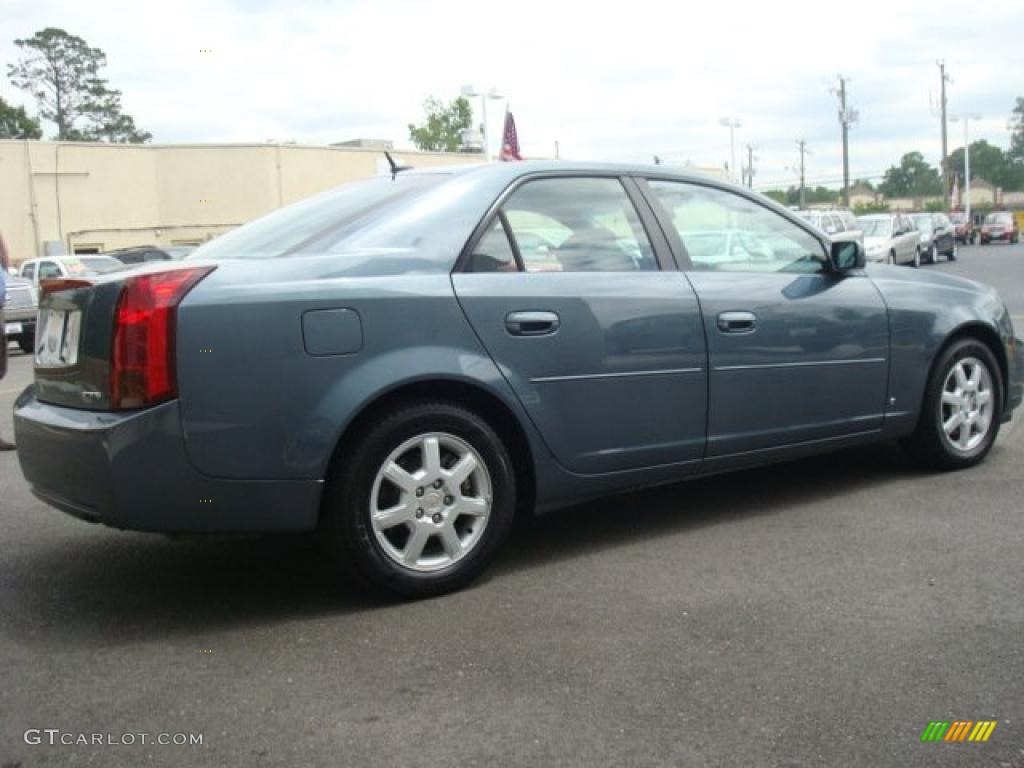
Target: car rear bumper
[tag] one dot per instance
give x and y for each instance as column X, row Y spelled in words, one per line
column 130, row 470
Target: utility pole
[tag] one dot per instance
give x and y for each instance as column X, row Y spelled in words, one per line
column 803, row 194
column 944, row 78
column 750, row 166
column 846, row 116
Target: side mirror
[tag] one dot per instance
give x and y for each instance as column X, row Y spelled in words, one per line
column 847, row 255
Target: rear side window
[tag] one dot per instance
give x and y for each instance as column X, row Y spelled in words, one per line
column 573, row 225
column 493, row 252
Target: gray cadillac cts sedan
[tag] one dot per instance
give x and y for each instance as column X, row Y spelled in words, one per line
column 405, row 363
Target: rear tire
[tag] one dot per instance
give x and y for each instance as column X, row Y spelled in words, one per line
column 917, row 258
column 960, row 415
column 26, row 344
column 421, row 502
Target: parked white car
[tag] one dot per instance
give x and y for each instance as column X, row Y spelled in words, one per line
column 837, row 223
column 891, row 238
column 67, row 266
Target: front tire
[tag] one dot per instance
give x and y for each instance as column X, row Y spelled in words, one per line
column 961, row 411
column 421, row 503
column 26, row 344
column 917, row 258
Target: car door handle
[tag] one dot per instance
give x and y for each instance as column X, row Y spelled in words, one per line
column 737, row 322
column 531, row 323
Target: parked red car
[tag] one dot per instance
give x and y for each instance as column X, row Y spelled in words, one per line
column 999, row 225
column 961, row 227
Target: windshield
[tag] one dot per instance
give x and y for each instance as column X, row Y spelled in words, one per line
column 923, row 223
column 97, row 264
column 997, row 218
column 876, row 227
column 317, row 222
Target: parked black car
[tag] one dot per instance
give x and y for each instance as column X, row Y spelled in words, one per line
column 146, row 253
column 937, row 237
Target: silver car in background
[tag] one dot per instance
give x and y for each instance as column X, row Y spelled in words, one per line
column 838, row 223
column 891, row 238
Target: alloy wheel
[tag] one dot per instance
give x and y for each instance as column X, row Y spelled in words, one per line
column 430, row 502
column 965, row 408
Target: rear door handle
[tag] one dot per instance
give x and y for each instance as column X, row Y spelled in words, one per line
column 737, row 322
column 531, row 323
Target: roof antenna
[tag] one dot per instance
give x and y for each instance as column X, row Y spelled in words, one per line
column 395, row 167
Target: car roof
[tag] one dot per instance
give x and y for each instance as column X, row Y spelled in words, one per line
column 512, row 171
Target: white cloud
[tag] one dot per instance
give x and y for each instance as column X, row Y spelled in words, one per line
column 609, row 82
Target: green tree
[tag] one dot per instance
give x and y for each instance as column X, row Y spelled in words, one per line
column 862, row 209
column 15, row 123
column 778, row 195
column 62, row 73
column 444, row 125
column 821, row 195
column 987, row 161
column 912, row 177
column 1016, row 126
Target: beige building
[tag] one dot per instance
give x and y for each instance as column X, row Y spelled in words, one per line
column 89, row 197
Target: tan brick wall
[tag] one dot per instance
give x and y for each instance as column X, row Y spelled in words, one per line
column 116, row 195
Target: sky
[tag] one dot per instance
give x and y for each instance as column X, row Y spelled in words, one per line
column 607, row 81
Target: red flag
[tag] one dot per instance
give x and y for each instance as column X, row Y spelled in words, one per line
column 509, row 140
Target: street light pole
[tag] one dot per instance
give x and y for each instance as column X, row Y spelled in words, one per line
column 943, row 79
column 967, row 164
column 471, row 92
column 732, row 123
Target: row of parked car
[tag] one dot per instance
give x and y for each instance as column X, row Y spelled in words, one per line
column 912, row 238
column 23, row 287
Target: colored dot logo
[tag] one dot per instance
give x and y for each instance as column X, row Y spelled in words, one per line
column 206, row 501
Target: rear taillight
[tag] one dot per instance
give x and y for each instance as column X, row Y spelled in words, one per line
column 143, row 363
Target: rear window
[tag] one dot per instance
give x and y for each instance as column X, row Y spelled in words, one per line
column 998, row 218
column 319, row 223
column 97, row 264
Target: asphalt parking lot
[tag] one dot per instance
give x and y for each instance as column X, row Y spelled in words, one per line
column 817, row 613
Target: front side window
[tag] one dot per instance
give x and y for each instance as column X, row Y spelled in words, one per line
column 876, row 227
column 29, row 271
column 576, row 225
column 723, row 231
column 923, row 223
